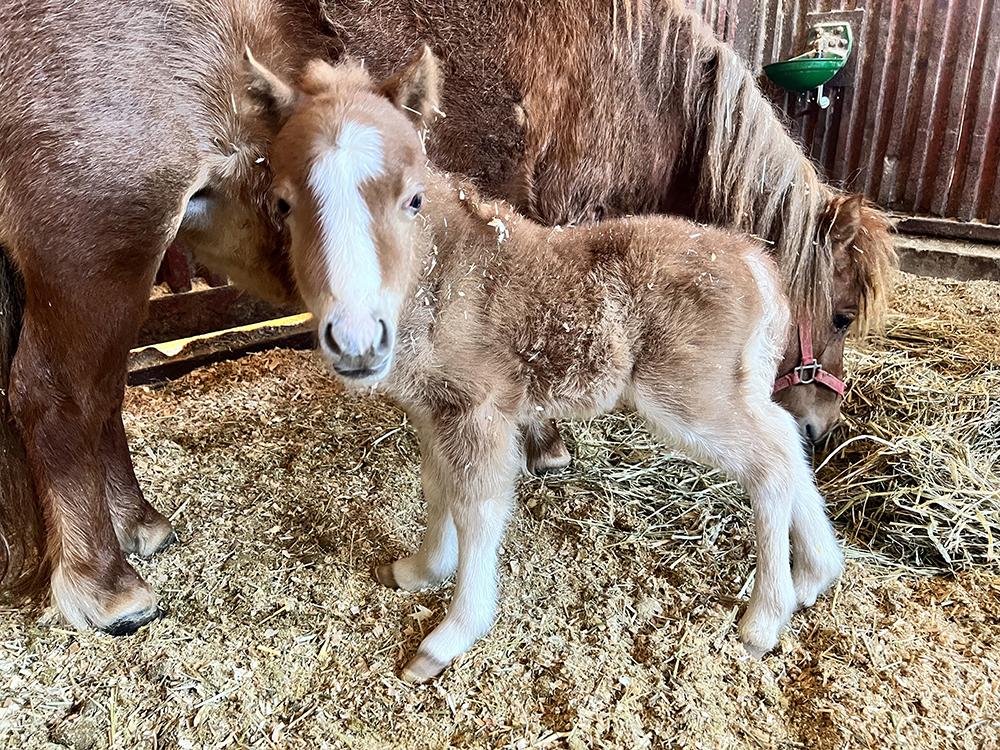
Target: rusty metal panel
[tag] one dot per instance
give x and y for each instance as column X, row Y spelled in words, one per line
column 917, row 129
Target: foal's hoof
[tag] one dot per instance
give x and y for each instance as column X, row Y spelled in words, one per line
column 130, row 623
column 552, row 459
column 755, row 651
column 383, row 574
column 423, row 668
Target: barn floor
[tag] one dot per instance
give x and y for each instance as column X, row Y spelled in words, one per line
column 617, row 622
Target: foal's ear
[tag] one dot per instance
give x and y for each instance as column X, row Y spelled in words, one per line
column 844, row 215
column 276, row 99
column 416, row 88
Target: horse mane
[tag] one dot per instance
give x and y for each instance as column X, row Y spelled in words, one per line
column 749, row 173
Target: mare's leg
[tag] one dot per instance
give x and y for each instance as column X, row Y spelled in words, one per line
column 482, row 464
column 757, row 443
column 87, row 290
column 437, row 557
column 544, row 449
column 140, row 528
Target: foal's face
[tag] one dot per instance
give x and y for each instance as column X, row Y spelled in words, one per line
column 348, row 169
column 350, row 201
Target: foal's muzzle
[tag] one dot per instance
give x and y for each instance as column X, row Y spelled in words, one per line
column 359, row 351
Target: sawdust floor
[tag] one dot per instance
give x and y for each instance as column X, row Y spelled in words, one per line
column 285, row 493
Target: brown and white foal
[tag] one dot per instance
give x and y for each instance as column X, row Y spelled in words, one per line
column 479, row 322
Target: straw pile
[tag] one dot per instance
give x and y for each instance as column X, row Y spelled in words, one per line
column 914, row 471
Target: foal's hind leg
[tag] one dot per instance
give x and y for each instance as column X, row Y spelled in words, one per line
column 756, row 444
column 140, row 528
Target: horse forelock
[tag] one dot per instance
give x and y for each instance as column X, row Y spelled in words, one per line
column 875, row 262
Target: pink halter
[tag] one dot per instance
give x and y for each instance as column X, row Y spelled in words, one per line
column 809, row 369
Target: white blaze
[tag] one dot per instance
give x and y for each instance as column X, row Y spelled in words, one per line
column 352, row 266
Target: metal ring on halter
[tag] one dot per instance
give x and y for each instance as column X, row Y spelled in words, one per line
column 809, row 371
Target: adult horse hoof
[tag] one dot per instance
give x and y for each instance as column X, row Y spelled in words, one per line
column 423, row 668
column 383, row 574
column 132, row 622
column 167, row 541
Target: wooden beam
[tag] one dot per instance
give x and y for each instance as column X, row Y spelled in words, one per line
column 178, row 316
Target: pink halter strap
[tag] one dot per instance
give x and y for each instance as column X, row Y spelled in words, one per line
column 809, row 370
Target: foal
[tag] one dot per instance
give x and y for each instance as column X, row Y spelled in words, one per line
column 479, row 322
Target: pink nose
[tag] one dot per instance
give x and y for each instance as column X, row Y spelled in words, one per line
column 355, row 352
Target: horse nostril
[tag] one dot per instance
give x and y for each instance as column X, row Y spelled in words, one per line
column 384, row 344
column 811, row 435
column 330, row 340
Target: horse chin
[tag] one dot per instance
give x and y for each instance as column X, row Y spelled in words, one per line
column 362, row 379
column 816, row 411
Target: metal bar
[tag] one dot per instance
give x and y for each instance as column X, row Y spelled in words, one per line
column 934, row 31
column 845, row 133
column 884, row 88
column 973, row 170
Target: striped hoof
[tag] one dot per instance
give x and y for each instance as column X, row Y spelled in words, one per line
column 423, row 668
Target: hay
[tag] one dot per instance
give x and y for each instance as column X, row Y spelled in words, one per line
column 914, row 471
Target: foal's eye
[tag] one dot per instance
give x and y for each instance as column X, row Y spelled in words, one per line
column 283, row 207
column 413, row 207
column 842, row 321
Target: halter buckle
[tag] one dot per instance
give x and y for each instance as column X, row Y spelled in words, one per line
column 812, row 368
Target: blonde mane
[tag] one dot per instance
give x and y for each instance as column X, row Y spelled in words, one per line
column 749, row 173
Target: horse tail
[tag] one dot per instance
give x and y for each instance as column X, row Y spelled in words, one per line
column 23, row 570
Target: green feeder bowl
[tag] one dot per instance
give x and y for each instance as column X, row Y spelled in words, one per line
column 803, row 74
column 829, row 46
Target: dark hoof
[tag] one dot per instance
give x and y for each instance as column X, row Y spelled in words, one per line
column 383, row 574
column 170, row 539
column 130, row 623
column 423, row 668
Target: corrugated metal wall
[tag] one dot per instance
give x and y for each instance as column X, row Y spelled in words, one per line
column 915, row 121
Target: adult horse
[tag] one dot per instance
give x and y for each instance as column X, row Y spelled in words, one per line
column 126, row 124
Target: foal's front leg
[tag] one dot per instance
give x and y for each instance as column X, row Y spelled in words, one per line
column 437, row 557
column 482, row 461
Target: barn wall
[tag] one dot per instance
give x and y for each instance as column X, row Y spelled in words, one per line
column 915, row 121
